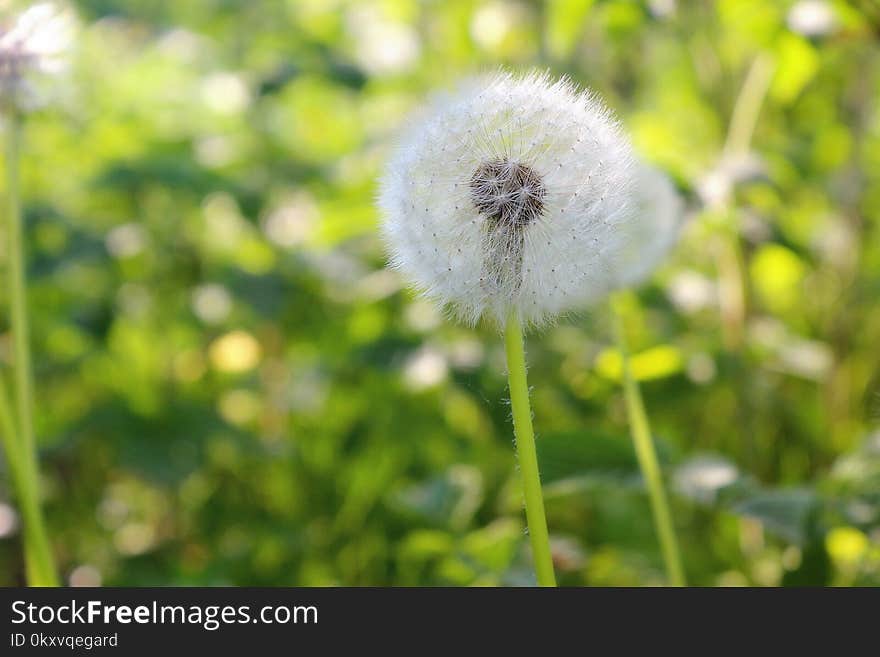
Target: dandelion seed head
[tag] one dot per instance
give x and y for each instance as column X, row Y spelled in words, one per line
column 659, row 213
column 33, row 45
column 513, row 193
column 506, row 193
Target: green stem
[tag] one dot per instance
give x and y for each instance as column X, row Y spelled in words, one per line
column 748, row 103
column 730, row 262
column 647, row 457
column 38, row 557
column 41, row 568
column 18, row 286
column 525, row 447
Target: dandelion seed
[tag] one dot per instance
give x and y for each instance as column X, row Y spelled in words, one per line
column 532, row 201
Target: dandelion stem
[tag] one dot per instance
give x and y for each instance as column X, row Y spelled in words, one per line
column 38, row 558
column 18, row 285
column 525, row 447
column 730, row 262
column 647, row 455
column 40, row 566
column 748, row 105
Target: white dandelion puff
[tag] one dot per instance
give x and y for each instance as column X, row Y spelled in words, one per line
column 33, row 45
column 659, row 214
column 517, row 194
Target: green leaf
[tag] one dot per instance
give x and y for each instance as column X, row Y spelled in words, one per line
column 785, row 513
column 575, row 454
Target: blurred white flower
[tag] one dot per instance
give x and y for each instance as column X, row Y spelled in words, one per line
column 214, row 151
column 424, row 369
column 716, row 186
column 225, row 93
column 703, row 477
column 8, row 520
column 521, row 194
column 811, row 18
column 692, row 291
column 810, row 359
column 701, row 368
column 33, row 44
column 466, row 354
column 211, row 302
column 493, row 22
column 422, row 316
column 126, row 240
column 662, row 8
column 382, row 46
column 293, row 221
column 85, row 576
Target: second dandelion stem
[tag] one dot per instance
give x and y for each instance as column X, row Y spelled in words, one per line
column 17, row 287
column 647, row 457
column 526, row 452
column 40, row 566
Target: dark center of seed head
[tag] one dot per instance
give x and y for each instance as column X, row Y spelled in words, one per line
column 510, row 194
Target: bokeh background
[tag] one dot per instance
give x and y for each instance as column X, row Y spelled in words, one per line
column 232, row 389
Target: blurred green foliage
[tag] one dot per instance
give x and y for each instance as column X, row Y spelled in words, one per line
column 231, row 389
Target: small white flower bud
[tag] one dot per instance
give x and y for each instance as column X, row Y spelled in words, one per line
column 520, row 194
